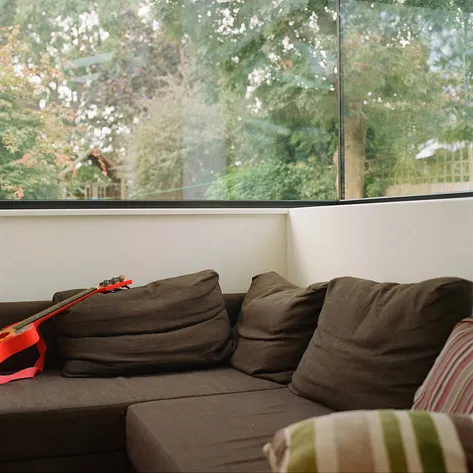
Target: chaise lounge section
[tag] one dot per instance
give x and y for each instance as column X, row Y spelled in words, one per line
column 55, row 423
column 214, row 433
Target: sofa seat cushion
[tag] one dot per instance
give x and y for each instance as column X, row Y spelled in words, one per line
column 51, row 415
column 223, row 433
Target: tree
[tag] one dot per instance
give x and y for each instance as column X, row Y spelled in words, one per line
column 34, row 135
column 113, row 55
column 178, row 146
column 388, row 87
column 235, row 90
column 238, row 50
column 280, row 58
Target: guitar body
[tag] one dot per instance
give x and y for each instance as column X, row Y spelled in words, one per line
column 22, row 335
column 14, row 340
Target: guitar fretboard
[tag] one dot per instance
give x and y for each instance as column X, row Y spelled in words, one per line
column 55, row 307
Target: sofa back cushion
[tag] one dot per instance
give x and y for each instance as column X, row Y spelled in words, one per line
column 174, row 323
column 376, row 342
column 11, row 312
column 276, row 322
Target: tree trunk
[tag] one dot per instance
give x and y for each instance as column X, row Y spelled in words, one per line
column 355, row 151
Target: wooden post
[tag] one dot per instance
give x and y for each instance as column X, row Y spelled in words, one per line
column 470, row 166
column 122, row 188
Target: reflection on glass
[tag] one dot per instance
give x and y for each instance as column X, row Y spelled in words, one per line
column 168, row 99
column 407, row 101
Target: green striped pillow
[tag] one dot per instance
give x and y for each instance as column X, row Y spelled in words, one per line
column 375, row 441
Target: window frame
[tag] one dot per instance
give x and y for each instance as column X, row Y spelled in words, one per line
column 217, row 204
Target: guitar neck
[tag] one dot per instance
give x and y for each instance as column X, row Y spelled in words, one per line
column 44, row 314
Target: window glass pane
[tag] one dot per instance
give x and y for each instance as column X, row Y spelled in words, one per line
column 407, row 100
column 168, row 99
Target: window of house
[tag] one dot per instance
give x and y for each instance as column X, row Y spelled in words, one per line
column 297, row 100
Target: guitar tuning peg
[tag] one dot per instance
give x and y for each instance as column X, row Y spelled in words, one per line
column 121, row 278
column 114, row 280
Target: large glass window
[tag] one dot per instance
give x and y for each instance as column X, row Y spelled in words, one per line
column 234, row 99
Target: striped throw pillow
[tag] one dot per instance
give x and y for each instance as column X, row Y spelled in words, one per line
column 373, row 442
column 449, row 385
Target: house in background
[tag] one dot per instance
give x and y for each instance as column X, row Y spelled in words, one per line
column 94, row 175
column 437, row 168
column 433, row 168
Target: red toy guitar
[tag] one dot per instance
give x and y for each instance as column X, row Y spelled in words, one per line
column 22, row 335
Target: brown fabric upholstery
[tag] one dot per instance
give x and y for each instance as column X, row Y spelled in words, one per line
column 376, row 342
column 224, row 433
column 110, row 462
column 178, row 322
column 51, row 415
column 276, row 322
column 11, row 312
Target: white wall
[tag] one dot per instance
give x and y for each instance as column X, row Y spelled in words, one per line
column 398, row 242
column 42, row 252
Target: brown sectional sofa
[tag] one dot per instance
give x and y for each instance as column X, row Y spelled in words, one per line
column 201, row 420
column 349, row 344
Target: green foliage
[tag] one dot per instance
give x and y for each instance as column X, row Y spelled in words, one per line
column 277, row 181
column 113, row 60
column 234, row 44
column 279, row 61
column 178, row 143
column 33, row 140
